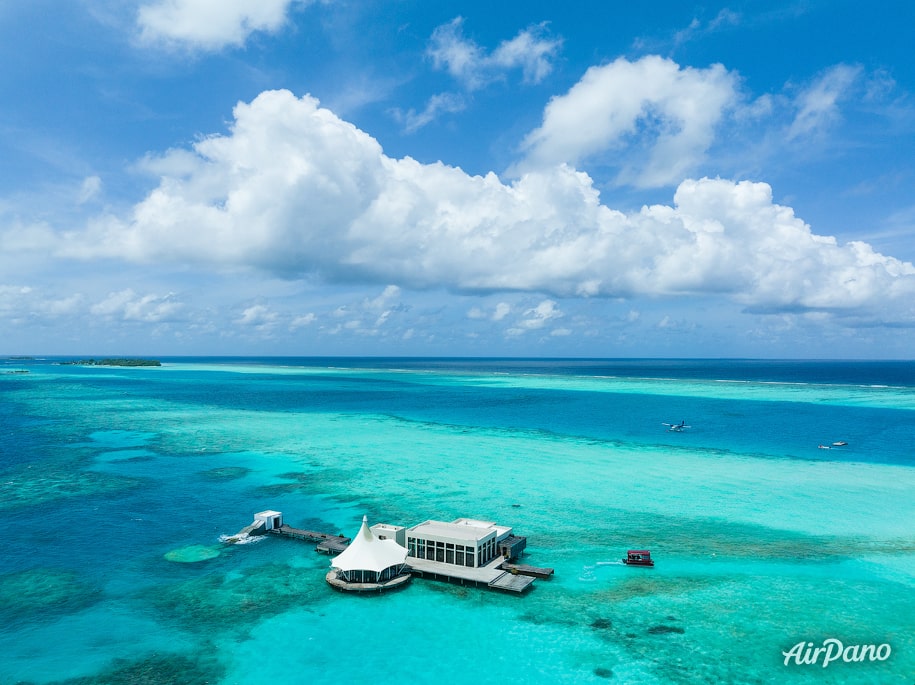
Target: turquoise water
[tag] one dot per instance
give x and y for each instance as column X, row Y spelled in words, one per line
column 110, row 477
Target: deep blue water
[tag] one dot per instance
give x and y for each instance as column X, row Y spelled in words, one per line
column 779, row 429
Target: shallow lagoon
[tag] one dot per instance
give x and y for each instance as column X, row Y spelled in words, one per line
column 127, row 478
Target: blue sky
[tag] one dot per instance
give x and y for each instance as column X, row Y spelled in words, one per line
column 296, row 177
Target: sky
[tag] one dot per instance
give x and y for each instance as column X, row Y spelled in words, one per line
column 406, row 178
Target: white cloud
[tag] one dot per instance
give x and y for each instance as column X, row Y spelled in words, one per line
column 391, row 292
column 209, row 24
column 531, row 51
column 90, row 188
column 696, row 29
column 303, row 320
column 23, row 304
column 61, row 306
column 293, row 190
column 538, row 316
column 666, row 113
column 126, row 305
column 442, row 103
column 35, row 237
column 817, row 105
column 499, row 312
column 258, row 316
column 370, row 316
column 502, row 310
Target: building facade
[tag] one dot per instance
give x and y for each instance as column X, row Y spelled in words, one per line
column 463, row 542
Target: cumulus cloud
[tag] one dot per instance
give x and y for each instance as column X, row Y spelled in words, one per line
column 302, row 321
column 209, row 24
column 293, row 190
column 373, row 316
column 23, row 304
column 126, row 305
column 499, row 312
column 675, row 109
column 502, row 310
column 531, row 51
column 537, row 317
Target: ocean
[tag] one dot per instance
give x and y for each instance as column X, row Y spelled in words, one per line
column 780, row 556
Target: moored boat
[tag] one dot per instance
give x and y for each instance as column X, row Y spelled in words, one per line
column 638, row 557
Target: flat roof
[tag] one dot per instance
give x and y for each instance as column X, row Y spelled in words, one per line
column 462, row 531
column 474, row 522
column 501, row 531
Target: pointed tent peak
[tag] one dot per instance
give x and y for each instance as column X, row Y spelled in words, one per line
column 365, row 531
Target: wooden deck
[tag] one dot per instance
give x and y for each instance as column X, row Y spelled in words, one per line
column 343, row 586
column 308, row 535
column 332, row 545
column 490, row 575
column 525, row 570
column 511, row 582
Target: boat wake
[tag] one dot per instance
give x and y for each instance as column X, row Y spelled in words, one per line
column 240, row 539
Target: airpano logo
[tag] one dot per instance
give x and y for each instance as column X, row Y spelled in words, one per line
column 832, row 650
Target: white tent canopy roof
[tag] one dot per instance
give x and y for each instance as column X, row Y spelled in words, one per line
column 369, row 553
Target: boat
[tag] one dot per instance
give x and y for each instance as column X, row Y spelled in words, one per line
column 638, row 557
column 839, row 443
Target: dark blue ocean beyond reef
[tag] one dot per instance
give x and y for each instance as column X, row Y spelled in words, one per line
column 117, row 485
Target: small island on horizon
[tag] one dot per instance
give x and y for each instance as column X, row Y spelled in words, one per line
column 110, row 361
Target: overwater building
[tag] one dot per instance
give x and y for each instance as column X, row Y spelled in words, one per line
column 463, row 542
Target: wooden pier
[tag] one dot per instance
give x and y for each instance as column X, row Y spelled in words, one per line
column 332, row 545
column 310, row 535
column 511, row 582
column 491, row 575
column 525, row 570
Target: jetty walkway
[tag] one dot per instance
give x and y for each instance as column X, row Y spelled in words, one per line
column 329, row 542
